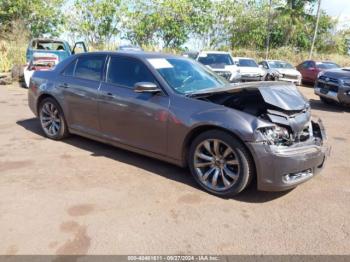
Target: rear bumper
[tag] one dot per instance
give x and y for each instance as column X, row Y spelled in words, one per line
column 281, row 169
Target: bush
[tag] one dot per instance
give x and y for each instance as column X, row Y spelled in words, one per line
column 11, row 53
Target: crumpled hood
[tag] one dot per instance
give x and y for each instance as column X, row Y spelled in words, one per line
column 287, row 71
column 278, row 94
column 286, row 97
column 280, row 102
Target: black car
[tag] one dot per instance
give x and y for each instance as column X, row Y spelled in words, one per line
column 334, row 86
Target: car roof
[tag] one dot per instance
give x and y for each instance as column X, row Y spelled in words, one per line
column 275, row 60
column 214, row 52
column 48, row 39
column 318, row 61
column 131, row 53
column 241, row 57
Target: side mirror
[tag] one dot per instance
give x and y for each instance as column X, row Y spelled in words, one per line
column 146, row 87
column 261, row 66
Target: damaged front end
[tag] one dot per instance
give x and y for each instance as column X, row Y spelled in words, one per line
column 292, row 147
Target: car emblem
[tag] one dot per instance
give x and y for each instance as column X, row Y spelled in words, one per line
column 327, row 79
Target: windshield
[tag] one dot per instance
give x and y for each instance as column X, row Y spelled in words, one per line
column 325, row 65
column 247, row 63
column 280, row 64
column 212, row 59
column 186, row 76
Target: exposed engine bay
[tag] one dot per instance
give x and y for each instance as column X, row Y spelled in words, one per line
column 282, row 105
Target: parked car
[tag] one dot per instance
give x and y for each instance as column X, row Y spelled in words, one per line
column 129, row 48
column 45, row 53
column 280, row 70
column 309, row 69
column 249, row 69
column 227, row 134
column 334, row 86
column 221, row 63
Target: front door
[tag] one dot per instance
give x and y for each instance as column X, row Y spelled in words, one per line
column 135, row 119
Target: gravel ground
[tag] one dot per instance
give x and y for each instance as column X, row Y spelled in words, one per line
column 78, row 196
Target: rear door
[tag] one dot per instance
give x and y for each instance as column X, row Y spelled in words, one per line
column 136, row 119
column 79, row 83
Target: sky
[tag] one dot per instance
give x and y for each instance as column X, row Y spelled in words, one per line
column 338, row 9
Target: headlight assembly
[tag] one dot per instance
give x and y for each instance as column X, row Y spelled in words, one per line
column 276, row 135
column 320, row 74
column 345, row 82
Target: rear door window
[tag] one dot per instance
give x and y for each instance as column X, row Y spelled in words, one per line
column 90, row 67
column 127, row 72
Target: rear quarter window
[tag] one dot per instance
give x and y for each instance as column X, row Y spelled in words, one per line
column 69, row 70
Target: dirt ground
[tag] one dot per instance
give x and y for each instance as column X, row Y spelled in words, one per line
column 78, row 196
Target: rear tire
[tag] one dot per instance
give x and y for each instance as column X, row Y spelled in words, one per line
column 52, row 120
column 220, row 163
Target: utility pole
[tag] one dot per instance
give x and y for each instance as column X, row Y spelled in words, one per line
column 268, row 31
column 316, row 28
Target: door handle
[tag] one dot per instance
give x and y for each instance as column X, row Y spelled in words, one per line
column 64, row 85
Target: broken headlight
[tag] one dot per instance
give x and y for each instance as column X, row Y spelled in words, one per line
column 276, row 135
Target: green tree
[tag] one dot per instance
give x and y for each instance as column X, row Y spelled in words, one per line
column 141, row 22
column 39, row 17
column 295, row 18
column 170, row 22
column 97, row 21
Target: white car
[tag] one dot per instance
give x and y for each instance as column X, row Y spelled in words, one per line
column 280, row 70
column 249, row 69
column 221, row 63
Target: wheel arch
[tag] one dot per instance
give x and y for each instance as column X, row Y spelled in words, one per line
column 203, row 128
column 44, row 96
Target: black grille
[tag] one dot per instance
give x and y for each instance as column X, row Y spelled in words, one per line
column 327, row 79
column 332, row 88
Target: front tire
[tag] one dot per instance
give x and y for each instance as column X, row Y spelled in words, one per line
column 220, row 163
column 52, row 120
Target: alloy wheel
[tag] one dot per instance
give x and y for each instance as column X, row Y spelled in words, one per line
column 50, row 119
column 216, row 164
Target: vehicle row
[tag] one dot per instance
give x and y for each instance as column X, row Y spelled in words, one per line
column 243, row 69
